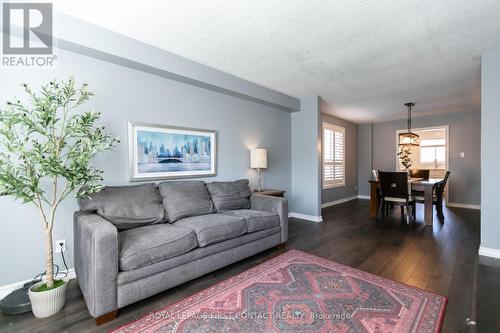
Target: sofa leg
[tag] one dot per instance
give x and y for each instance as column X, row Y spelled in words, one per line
column 106, row 317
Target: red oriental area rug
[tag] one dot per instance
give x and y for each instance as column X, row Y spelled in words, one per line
column 300, row 292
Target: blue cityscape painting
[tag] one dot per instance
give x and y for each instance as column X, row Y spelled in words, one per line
column 161, row 152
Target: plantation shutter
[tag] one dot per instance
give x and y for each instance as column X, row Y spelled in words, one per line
column 333, row 156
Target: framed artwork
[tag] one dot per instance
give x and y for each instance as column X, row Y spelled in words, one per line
column 166, row 152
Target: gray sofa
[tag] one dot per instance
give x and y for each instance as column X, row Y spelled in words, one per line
column 132, row 242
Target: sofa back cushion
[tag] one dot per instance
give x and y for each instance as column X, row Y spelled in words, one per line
column 126, row 206
column 185, row 198
column 230, row 195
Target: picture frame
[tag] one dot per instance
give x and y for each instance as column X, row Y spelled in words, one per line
column 160, row 152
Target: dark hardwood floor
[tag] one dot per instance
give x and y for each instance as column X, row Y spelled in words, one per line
column 442, row 259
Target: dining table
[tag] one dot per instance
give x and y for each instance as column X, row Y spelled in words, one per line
column 426, row 186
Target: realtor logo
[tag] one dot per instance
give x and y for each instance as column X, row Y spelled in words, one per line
column 33, row 21
column 27, row 35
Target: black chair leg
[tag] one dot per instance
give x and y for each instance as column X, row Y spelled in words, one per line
column 439, row 208
column 402, row 210
column 414, row 212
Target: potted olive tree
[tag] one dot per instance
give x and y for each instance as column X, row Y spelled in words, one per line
column 46, row 147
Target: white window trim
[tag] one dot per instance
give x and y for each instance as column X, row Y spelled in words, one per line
column 339, row 129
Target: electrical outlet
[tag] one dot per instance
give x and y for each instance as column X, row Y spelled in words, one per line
column 60, row 248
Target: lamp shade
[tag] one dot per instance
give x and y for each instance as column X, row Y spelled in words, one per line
column 258, row 158
column 408, row 139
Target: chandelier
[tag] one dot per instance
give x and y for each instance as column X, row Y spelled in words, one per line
column 409, row 139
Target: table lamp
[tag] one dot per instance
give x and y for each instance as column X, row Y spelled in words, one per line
column 258, row 160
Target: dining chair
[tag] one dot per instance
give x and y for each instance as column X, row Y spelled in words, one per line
column 375, row 176
column 395, row 191
column 437, row 196
column 420, row 173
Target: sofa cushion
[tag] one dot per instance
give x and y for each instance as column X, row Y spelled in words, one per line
column 198, row 254
column 126, row 206
column 230, row 195
column 185, row 198
column 147, row 245
column 214, row 228
column 256, row 219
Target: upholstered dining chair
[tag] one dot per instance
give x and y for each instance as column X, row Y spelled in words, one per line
column 437, row 198
column 420, row 173
column 395, row 191
column 376, row 177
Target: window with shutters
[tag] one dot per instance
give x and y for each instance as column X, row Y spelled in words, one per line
column 333, row 156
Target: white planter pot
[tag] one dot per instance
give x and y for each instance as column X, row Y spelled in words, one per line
column 46, row 303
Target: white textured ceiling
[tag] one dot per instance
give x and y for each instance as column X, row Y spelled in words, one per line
column 364, row 57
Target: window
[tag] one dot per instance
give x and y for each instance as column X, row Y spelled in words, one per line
column 333, row 156
column 432, row 152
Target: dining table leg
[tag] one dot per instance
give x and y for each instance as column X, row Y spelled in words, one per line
column 428, row 206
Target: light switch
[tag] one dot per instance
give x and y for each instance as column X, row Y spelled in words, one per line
column 462, row 154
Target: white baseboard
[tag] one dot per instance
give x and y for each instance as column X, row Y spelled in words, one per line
column 7, row 289
column 336, row 202
column 460, row 205
column 306, row 217
column 489, row 252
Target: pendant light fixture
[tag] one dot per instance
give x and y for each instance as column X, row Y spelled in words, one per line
column 409, row 138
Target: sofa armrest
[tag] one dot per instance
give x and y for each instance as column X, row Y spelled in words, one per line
column 275, row 205
column 96, row 262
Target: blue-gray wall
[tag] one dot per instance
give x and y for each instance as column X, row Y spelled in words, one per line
column 306, row 143
column 123, row 94
column 464, row 135
column 364, row 158
column 490, row 139
column 351, row 161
